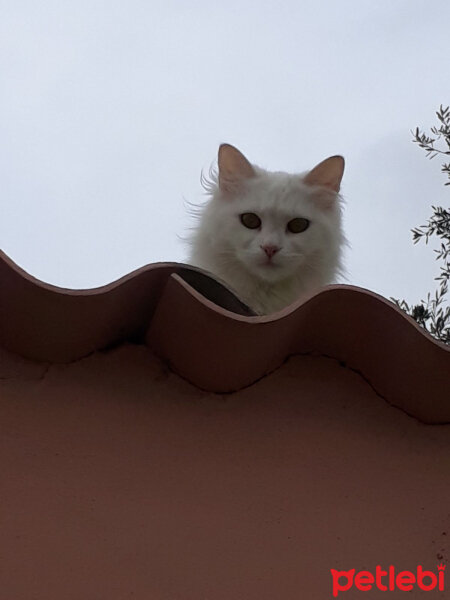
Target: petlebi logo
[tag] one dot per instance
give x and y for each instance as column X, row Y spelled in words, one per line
column 388, row 580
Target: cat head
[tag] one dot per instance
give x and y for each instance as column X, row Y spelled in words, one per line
column 274, row 224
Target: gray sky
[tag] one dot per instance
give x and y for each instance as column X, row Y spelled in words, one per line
column 110, row 109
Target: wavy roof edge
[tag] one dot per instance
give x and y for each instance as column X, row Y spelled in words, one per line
column 212, row 339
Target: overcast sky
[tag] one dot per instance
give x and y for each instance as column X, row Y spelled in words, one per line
column 110, row 109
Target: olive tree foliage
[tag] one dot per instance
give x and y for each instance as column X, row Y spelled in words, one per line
column 433, row 314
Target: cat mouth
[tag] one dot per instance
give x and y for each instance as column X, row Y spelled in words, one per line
column 270, row 264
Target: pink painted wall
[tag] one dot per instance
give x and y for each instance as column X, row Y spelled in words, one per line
column 122, row 478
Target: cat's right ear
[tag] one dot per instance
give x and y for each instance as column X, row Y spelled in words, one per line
column 234, row 168
column 327, row 174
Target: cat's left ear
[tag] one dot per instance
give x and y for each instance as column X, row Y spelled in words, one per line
column 327, row 174
column 234, row 168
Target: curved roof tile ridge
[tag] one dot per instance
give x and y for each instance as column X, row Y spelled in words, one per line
column 212, row 339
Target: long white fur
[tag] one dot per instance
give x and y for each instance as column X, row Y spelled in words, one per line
column 233, row 253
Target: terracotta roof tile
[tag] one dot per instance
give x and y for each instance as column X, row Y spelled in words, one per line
column 209, row 337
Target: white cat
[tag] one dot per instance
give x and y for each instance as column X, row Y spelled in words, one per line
column 270, row 236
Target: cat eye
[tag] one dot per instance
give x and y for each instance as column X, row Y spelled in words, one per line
column 298, row 225
column 250, row 220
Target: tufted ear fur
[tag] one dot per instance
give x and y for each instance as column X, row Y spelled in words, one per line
column 234, row 168
column 327, row 174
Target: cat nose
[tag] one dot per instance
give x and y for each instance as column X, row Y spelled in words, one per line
column 270, row 250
